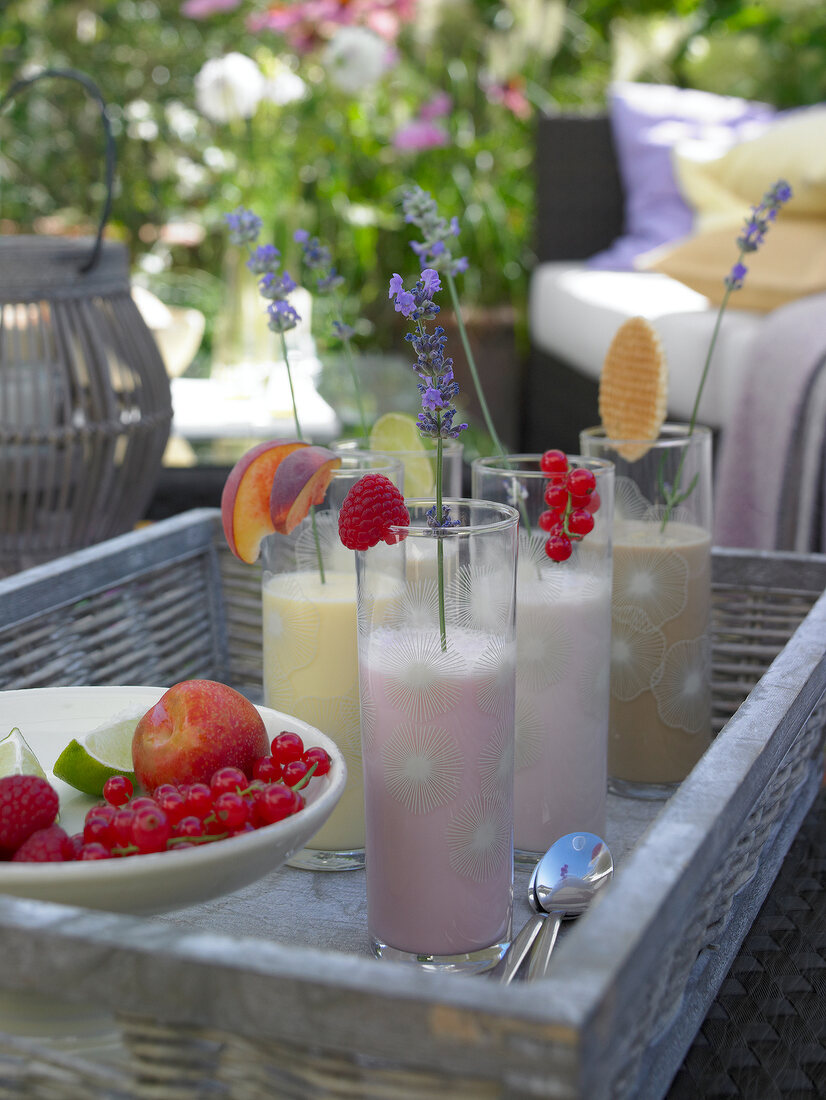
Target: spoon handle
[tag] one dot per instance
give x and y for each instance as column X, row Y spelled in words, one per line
column 543, row 947
column 519, row 947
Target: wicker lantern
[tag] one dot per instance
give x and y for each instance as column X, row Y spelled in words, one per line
column 85, row 405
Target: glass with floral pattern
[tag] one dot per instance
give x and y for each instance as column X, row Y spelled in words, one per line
column 660, row 722
column 563, row 644
column 437, row 672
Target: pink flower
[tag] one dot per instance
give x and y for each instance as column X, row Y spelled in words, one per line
column 437, row 107
column 511, row 96
column 202, row 9
column 418, row 135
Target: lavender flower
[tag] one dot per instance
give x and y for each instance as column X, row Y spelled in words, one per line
column 754, row 231
column 282, row 316
column 435, row 253
column 244, row 226
column 274, row 286
column 318, row 259
column 264, row 259
column 437, row 386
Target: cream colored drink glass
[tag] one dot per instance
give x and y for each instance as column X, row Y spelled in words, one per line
column 660, row 721
column 310, row 649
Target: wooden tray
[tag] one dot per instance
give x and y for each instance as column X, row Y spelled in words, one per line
column 272, row 992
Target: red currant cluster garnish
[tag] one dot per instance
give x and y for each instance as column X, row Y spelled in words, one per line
column 184, row 815
column 572, row 499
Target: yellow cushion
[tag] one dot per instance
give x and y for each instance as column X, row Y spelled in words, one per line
column 792, row 148
column 790, row 264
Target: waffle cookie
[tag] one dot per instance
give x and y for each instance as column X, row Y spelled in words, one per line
column 633, row 388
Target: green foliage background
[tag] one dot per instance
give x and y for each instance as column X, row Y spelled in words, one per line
column 327, row 163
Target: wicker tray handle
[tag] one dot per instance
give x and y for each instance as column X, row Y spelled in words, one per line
column 109, row 150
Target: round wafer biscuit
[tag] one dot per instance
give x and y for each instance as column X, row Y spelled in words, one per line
column 633, row 388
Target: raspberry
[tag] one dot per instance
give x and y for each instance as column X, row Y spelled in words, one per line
column 50, row 845
column 27, row 803
column 371, row 506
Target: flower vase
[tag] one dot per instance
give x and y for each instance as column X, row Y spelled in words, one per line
column 660, row 722
column 437, row 707
column 310, row 655
column 563, row 632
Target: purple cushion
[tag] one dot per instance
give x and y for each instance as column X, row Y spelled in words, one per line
column 647, row 120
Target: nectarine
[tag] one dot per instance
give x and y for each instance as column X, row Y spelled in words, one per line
column 245, row 501
column 195, row 728
column 300, row 481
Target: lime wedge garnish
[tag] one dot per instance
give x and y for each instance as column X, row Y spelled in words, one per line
column 395, row 432
column 103, row 752
column 17, row 756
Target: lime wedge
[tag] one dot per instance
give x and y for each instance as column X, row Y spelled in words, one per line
column 17, row 756
column 398, row 432
column 105, row 751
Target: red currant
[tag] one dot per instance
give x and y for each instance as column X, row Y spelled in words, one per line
column 231, row 810
column 581, row 482
column 94, row 850
column 275, row 803
column 558, row 547
column 556, row 497
column 122, row 827
column 165, row 789
column 117, row 790
column 580, row 522
column 266, row 769
column 227, row 779
column 548, row 520
column 287, row 747
column 199, row 800
column 594, row 502
column 150, row 830
column 318, row 756
column 144, row 802
column 189, row 826
column 295, row 772
column 579, row 500
column 173, row 804
column 553, row 462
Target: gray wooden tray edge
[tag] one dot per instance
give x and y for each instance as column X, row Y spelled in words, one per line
column 631, row 981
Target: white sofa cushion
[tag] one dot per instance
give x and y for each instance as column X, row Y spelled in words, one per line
column 575, row 311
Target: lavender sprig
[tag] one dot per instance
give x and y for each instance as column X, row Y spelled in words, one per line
column 752, row 236
column 274, row 285
column 438, row 389
column 318, row 259
column 435, row 252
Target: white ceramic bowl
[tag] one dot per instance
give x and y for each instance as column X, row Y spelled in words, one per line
column 50, row 717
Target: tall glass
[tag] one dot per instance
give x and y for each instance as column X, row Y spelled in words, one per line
column 438, row 735
column 310, row 649
column 563, row 645
column 660, row 650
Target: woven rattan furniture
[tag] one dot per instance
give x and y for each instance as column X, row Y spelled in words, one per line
column 272, row 992
column 85, row 406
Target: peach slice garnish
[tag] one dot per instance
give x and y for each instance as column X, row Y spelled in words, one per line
column 245, row 501
column 300, row 481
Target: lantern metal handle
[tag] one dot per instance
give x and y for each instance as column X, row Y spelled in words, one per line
column 109, row 151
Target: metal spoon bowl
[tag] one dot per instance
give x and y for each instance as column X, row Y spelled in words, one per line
column 563, row 884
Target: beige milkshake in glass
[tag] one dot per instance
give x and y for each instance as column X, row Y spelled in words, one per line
column 563, row 631
column 310, row 650
column 660, row 649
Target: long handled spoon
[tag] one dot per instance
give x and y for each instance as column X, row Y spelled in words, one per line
column 562, row 886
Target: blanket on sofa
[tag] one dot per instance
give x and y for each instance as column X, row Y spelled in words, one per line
column 771, row 472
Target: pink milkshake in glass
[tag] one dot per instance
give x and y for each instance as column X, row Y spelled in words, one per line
column 437, row 719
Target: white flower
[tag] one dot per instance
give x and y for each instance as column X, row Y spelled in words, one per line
column 355, row 58
column 229, row 88
column 285, row 87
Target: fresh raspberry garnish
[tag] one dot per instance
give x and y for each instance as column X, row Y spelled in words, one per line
column 50, row 845
column 27, row 803
column 369, row 510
